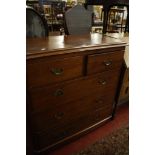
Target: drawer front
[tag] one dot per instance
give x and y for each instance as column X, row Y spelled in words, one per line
column 53, row 136
column 64, row 115
column 49, row 71
column 58, row 129
column 49, row 138
column 93, row 116
column 103, row 101
column 57, row 118
column 49, row 97
column 101, row 113
column 103, row 62
column 88, row 119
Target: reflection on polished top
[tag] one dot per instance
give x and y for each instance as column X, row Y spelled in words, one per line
column 54, row 44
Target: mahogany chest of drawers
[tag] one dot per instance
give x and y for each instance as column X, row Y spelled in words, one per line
column 71, row 86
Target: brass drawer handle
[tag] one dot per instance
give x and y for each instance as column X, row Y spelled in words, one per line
column 57, row 71
column 102, row 82
column 59, row 115
column 107, row 63
column 58, row 92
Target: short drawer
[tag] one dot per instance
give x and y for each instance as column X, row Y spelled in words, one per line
column 70, row 91
column 103, row 62
column 47, row 71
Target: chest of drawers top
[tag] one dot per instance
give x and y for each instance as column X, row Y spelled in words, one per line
column 58, row 45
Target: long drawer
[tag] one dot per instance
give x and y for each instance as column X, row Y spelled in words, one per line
column 48, row 97
column 82, row 122
column 46, row 71
column 103, row 62
column 66, row 114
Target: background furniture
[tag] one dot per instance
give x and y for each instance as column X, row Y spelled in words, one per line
column 107, row 5
column 71, row 86
column 36, row 25
column 115, row 19
column 52, row 11
column 47, row 10
column 57, row 12
column 58, row 8
column 78, row 20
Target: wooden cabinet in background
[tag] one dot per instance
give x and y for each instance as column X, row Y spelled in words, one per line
column 71, row 86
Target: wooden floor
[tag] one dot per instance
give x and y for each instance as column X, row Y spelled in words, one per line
column 121, row 119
